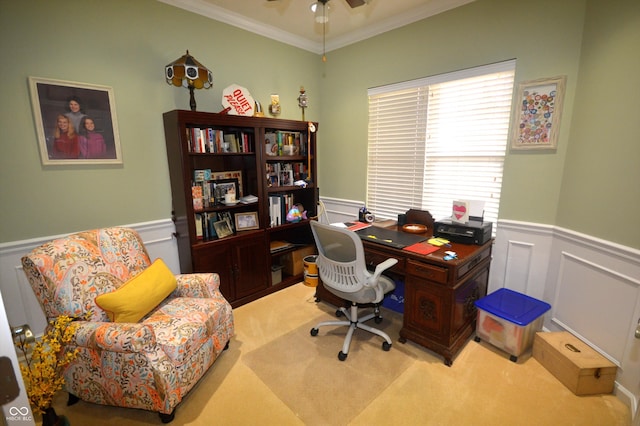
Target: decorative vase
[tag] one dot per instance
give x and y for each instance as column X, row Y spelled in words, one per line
column 51, row 418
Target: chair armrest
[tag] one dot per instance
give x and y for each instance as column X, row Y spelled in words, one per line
column 381, row 267
column 197, row 285
column 115, row 337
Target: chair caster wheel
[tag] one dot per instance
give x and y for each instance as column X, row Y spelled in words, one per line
column 386, row 346
column 377, row 320
column 342, row 356
column 477, row 339
column 339, row 313
column 513, row 358
column 314, row 332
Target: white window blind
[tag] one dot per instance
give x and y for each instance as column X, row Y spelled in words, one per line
column 439, row 139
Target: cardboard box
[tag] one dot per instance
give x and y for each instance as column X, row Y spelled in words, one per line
column 578, row 366
column 292, row 262
column 509, row 320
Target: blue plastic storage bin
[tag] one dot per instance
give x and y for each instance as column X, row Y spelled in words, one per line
column 395, row 300
column 509, row 320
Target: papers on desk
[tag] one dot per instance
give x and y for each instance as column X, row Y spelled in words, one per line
column 422, row 248
column 352, row 226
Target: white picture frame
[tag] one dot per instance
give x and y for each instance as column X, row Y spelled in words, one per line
column 51, row 100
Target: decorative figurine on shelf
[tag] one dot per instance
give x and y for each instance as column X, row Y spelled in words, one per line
column 274, row 108
column 258, row 110
column 296, row 214
column 302, row 100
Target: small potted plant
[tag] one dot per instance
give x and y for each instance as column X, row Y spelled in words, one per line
column 44, row 365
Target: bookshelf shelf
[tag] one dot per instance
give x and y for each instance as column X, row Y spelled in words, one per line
column 212, row 154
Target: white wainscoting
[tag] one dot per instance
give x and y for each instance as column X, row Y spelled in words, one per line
column 20, row 303
column 593, row 287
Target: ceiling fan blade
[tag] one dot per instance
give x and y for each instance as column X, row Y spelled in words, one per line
column 356, row 3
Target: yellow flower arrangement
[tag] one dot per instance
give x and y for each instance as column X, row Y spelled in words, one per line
column 43, row 369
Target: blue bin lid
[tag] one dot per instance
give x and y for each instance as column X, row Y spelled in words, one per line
column 515, row 307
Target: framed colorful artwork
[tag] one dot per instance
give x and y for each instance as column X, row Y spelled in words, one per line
column 75, row 122
column 537, row 112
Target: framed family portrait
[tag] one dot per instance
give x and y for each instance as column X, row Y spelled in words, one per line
column 75, row 122
column 246, row 221
column 537, row 112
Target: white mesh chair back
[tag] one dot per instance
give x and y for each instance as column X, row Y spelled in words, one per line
column 340, row 261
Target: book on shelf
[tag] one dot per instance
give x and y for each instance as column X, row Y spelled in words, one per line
column 286, row 173
column 248, row 199
column 277, row 246
column 209, row 140
column 284, row 143
column 205, row 224
column 276, row 207
column 196, row 195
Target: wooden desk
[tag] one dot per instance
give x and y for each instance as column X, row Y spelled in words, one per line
column 439, row 309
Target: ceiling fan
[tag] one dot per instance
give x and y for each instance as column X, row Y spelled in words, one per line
column 352, row 3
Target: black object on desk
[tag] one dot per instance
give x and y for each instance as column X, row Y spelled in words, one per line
column 389, row 237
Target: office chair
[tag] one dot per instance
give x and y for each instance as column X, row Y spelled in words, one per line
column 342, row 270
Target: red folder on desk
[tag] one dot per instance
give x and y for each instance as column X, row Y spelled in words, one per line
column 421, row 248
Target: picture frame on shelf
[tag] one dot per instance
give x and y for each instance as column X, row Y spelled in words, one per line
column 537, row 112
column 58, row 105
column 223, row 228
column 246, row 221
column 223, row 187
column 230, row 174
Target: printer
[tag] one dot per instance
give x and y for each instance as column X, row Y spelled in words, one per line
column 470, row 232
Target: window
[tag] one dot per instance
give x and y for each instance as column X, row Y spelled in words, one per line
column 439, row 139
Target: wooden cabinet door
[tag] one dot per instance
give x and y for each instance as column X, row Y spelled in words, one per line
column 464, row 308
column 249, row 266
column 217, row 258
column 427, row 308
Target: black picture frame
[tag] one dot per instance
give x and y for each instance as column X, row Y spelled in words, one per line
column 223, row 186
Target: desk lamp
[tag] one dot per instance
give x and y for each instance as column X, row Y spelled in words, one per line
column 189, row 73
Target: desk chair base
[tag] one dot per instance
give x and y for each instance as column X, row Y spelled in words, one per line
column 353, row 323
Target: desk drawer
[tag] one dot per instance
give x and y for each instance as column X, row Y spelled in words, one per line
column 462, row 271
column 425, row 270
column 373, row 258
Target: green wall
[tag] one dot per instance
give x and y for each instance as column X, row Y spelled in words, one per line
column 597, row 164
column 601, row 184
column 486, row 31
column 125, row 45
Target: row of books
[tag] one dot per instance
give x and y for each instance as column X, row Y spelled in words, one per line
column 285, row 174
column 208, row 194
column 279, row 206
column 285, row 143
column 212, row 226
column 209, row 140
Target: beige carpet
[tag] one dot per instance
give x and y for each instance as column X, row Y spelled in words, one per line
column 305, row 373
column 481, row 388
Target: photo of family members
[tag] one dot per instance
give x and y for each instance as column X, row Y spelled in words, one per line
column 75, row 122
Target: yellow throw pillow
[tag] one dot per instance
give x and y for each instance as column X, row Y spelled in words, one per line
column 140, row 295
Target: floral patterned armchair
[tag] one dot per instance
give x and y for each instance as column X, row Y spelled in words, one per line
column 151, row 364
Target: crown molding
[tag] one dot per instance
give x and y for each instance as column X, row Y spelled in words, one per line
column 220, row 14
